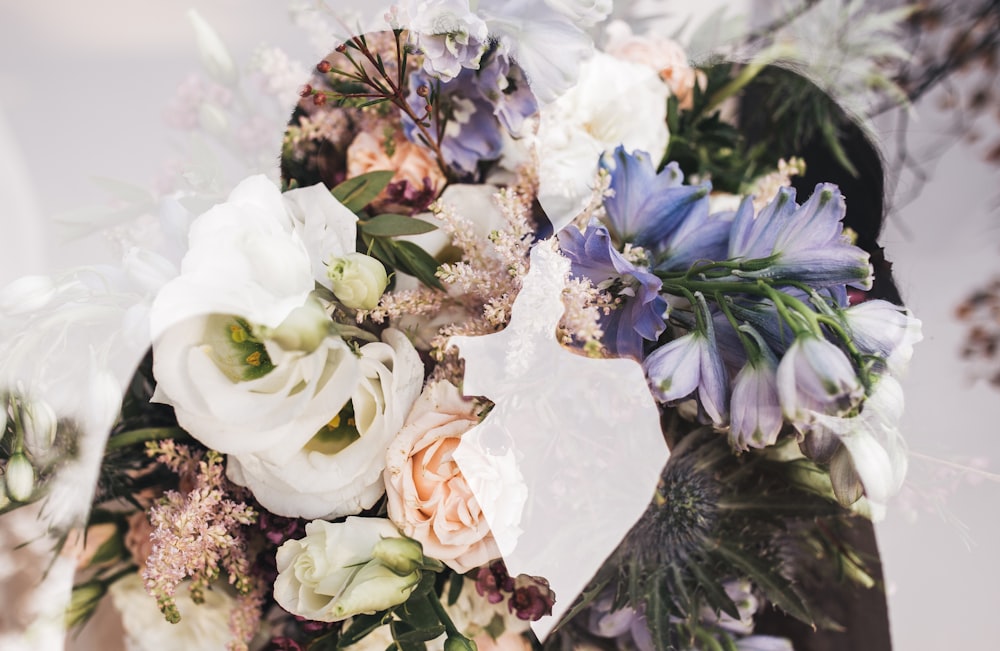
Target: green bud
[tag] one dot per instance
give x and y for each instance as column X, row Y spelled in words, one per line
column 20, row 478
column 459, row 643
column 401, row 555
column 39, row 424
column 303, row 329
column 357, row 280
column 84, row 600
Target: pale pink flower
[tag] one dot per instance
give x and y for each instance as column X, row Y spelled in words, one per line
column 429, row 498
column 659, row 53
column 412, row 164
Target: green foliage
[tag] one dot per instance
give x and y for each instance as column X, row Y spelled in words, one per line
column 391, row 225
column 361, row 190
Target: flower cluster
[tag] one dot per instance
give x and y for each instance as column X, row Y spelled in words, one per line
column 304, row 376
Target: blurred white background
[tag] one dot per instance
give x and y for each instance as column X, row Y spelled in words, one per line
column 83, row 89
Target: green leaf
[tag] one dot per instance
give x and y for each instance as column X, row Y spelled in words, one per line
column 361, row 625
column 775, row 587
column 392, row 225
column 717, row 597
column 586, row 597
column 455, row 588
column 358, row 192
column 416, row 262
column 418, row 613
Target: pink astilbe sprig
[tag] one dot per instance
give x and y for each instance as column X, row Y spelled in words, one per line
column 198, row 534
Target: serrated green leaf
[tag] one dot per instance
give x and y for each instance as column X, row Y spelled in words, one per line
column 716, row 596
column 776, row 588
column 358, row 192
column 392, row 225
column 416, row 262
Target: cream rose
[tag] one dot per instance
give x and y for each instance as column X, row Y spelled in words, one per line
column 428, row 498
column 332, row 574
column 338, row 470
column 587, row 121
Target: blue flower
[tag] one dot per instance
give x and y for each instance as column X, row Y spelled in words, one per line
column 806, row 243
column 640, row 315
column 756, row 419
column 647, row 208
column 688, row 364
column 816, row 378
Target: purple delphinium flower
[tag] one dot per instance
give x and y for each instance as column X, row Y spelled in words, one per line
column 646, row 208
column 755, row 411
column 804, row 243
column 475, row 106
column 816, row 377
column 691, row 363
column 640, row 315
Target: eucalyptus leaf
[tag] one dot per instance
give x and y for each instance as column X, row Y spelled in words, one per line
column 358, row 192
column 416, row 262
column 392, row 225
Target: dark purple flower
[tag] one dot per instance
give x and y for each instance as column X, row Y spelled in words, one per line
column 532, row 598
column 493, row 581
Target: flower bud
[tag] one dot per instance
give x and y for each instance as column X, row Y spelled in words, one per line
column 358, row 280
column 457, row 643
column 374, row 588
column 20, row 478
column 401, row 555
column 214, row 55
column 39, row 423
column 303, row 329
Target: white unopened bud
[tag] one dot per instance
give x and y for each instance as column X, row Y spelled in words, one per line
column 20, row 478
column 214, row 54
column 401, row 555
column 303, row 329
column 39, row 424
column 358, row 280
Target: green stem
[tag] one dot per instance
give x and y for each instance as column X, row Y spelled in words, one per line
column 137, row 436
column 449, row 626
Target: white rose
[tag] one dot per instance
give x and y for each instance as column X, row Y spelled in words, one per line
column 330, row 574
column 614, row 103
column 203, row 627
column 251, row 267
column 338, row 471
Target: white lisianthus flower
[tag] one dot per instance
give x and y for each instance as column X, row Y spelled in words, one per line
column 203, row 627
column 582, row 12
column 239, row 349
column 337, row 470
column 332, row 574
column 873, row 457
column 587, row 121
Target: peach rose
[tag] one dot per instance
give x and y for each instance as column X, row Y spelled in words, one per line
column 429, row 499
column 411, row 163
column 137, row 539
column 661, row 54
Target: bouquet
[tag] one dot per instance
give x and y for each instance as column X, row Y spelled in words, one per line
column 522, row 352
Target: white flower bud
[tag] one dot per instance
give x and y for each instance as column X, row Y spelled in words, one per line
column 303, row 329
column 214, row 54
column 401, row 555
column 20, row 478
column 357, row 280
column 39, row 424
